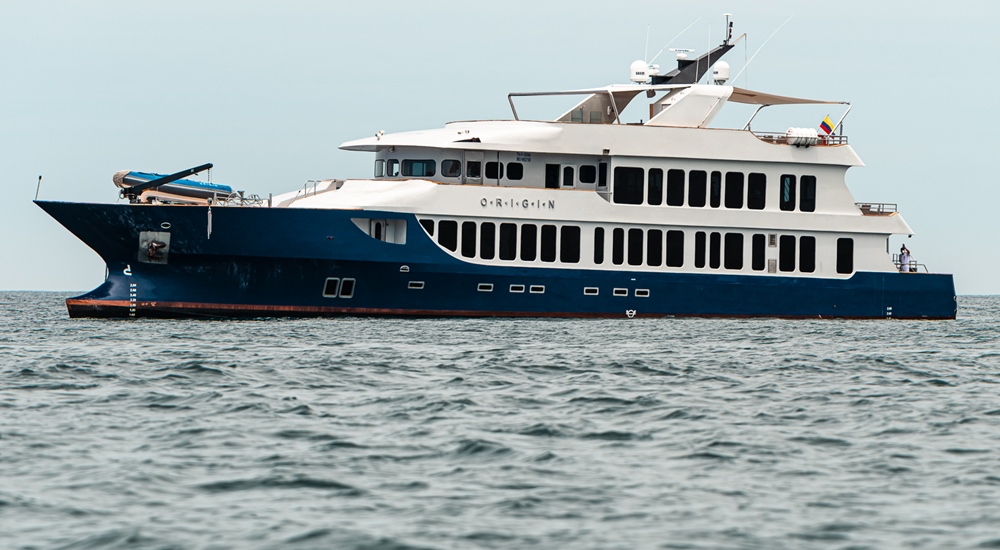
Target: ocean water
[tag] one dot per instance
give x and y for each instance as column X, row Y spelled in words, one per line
column 513, row 433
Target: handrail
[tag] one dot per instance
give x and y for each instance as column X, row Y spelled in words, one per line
column 914, row 267
column 877, row 208
column 781, row 138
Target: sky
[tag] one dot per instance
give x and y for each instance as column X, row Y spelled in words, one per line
column 267, row 91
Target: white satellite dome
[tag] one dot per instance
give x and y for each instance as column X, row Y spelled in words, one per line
column 639, row 71
column 720, row 72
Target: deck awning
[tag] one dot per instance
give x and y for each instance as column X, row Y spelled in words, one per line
column 742, row 95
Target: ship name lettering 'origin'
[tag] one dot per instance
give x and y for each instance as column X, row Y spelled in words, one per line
column 524, row 203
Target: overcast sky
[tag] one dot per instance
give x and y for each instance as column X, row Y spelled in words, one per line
column 267, row 91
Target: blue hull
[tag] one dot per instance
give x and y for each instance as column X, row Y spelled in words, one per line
column 265, row 262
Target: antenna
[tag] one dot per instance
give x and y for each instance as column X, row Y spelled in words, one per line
column 761, row 47
column 39, row 188
column 674, row 38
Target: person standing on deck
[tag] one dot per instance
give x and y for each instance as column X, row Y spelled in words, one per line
column 904, row 259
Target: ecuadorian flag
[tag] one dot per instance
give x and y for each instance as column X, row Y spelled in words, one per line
column 826, row 125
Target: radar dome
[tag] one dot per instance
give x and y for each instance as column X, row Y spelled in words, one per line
column 639, row 71
column 720, row 72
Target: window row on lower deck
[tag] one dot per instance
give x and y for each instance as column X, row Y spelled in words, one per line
column 634, row 246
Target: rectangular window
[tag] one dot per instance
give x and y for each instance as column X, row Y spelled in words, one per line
column 415, row 285
column 759, row 247
column 654, row 187
column 675, row 187
column 786, row 253
column 494, row 170
column 487, row 240
column 529, row 240
column 734, row 251
column 469, row 239
column 548, row 243
column 419, row 168
column 602, row 174
column 536, row 289
column 569, row 244
column 654, row 247
column 473, row 169
column 808, row 199
column 699, row 249
column 515, row 171
column 517, row 289
column 618, row 246
column 379, row 168
column 552, row 176
column 448, row 234
column 620, row 292
column 451, row 168
column 697, row 188
column 568, row 180
column 628, row 185
column 588, row 174
column 845, row 255
column 392, row 168
column 786, row 198
column 715, row 250
column 715, row 191
column 508, row 241
column 734, row 189
column 331, row 287
column 428, row 226
column 635, row 246
column 675, row 248
column 756, row 191
column 598, row 245
column 591, row 291
column 347, row 288
column 642, row 293
column 485, row 287
column 807, row 254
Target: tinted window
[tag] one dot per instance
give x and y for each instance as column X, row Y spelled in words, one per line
column 569, row 244
column 786, row 253
column 469, row 239
column 494, row 170
column 734, row 251
column 628, row 185
column 473, row 169
column 675, row 187
column 759, row 248
column 515, row 170
column 654, row 187
column 448, row 234
column 529, row 238
column 508, row 241
column 697, row 188
column 635, row 246
column 699, row 249
column 599, row 245
column 487, row 240
column 618, row 246
column 451, row 168
column 568, row 176
column 675, row 248
column 756, row 191
column 392, row 168
column 807, row 254
column 588, row 174
column 419, row 168
column 602, row 174
column 654, row 247
column 714, row 250
column 845, row 255
column 715, row 191
column 786, row 193
column 808, row 199
column 428, row 226
column 548, row 243
column 734, row 189
column 552, row 176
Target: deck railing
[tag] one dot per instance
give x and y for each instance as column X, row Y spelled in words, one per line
column 781, row 139
column 877, row 208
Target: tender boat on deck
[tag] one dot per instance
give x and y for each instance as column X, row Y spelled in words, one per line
column 580, row 216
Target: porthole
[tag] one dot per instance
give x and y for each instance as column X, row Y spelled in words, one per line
column 165, row 225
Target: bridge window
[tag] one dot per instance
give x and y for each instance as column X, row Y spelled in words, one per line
column 567, row 176
column 379, row 168
column 392, row 168
column 602, row 174
column 628, row 185
column 473, row 169
column 675, row 187
column 494, row 170
column 588, row 174
column 756, row 191
column 697, row 188
column 552, row 176
column 451, row 168
column 419, row 168
column 515, row 170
